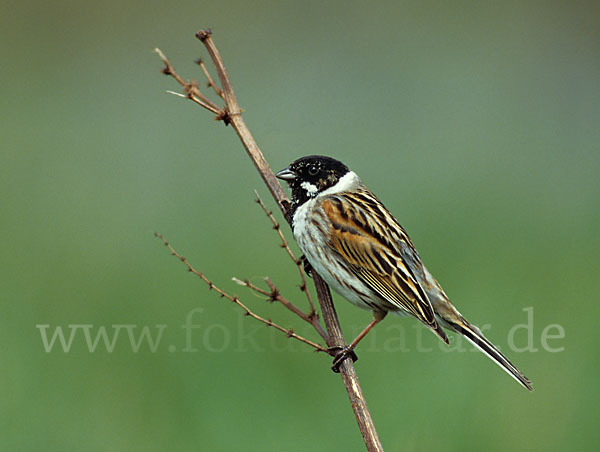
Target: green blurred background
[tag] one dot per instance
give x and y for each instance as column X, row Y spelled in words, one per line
column 477, row 123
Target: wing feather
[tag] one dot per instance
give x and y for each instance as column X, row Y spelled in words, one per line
column 374, row 252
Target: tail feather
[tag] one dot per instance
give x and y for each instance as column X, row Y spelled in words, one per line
column 449, row 317
column 439, row 332
column 476, row 337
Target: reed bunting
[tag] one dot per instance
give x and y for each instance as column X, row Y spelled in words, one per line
column 355, row 244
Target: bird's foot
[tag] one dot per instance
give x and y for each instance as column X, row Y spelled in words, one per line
column 306, row 264
column 339, row 355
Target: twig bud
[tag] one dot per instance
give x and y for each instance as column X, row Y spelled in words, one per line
column 203, row 34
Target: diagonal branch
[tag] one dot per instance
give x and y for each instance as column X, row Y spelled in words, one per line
column 232, row 114
column 233, row 298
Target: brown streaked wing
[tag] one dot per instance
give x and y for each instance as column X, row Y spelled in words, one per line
column 373, row 252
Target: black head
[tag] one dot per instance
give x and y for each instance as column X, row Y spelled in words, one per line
column 308, row 176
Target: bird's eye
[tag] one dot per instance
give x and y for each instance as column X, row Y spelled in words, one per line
column 313, row 170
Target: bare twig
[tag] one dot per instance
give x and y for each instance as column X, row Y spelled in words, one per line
column 285, row 245
column 190, row 88
column 231, row 114
column 210, row 82
column 233, row 298
column 274, row 294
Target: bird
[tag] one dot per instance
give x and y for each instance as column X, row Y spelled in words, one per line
column 357, row 246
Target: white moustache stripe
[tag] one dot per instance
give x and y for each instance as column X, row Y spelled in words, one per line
column 311, row 189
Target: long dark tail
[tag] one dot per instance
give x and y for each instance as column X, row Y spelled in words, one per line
column 476, row 337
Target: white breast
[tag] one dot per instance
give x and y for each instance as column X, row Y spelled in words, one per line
column 309, row 226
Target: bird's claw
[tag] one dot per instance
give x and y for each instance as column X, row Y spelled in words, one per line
column 339, row 355
column 306, row 264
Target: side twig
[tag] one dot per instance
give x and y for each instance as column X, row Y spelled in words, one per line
column 233, row 298
column 210, row 82
column 191, row 89
column 275, row 295
column 285, row 245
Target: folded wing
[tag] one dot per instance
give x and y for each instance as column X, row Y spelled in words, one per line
column 370, row 240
